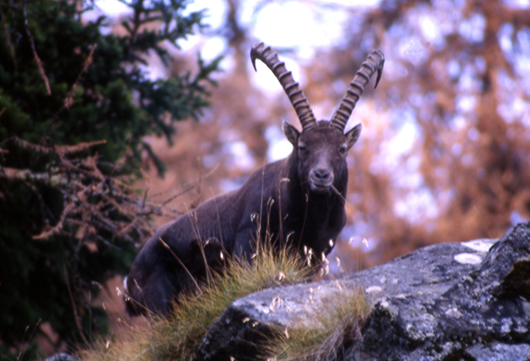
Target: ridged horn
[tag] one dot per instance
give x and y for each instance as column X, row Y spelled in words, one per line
column 296, row 95
column 374, row 62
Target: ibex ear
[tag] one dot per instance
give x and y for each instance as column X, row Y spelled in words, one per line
column 353, row 135
column 291, row 133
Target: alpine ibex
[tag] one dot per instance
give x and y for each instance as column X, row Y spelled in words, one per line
column 299, row 200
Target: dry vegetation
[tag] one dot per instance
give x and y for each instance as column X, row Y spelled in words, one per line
column 335, row 329
column 178, row 337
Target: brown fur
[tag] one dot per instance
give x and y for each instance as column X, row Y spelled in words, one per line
column 299, row 200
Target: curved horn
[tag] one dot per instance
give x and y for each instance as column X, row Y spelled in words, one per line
column 374, row 62
column 297, row 97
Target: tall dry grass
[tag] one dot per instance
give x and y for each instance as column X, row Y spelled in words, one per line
column 177, row 337
column 334, row 329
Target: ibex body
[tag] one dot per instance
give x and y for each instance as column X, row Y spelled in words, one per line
column 299, row 200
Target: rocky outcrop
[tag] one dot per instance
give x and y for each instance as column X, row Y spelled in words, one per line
column 452, row 301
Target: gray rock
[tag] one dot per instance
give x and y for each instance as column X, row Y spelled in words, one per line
column 452, row 301
column 61, row 357
column 499, row 352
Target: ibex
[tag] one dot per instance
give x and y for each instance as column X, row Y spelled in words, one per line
column 299, row 200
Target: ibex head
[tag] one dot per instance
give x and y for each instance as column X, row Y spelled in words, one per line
column 322, row 146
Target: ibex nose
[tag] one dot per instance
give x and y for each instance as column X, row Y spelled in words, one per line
column 322, row 174
column 321, row 179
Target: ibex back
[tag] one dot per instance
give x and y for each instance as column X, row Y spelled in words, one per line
column 299, row 200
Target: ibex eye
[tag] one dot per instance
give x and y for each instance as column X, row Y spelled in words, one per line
column 302, row 147
column 343, row 149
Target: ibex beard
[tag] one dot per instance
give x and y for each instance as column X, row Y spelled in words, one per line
column 301, row 196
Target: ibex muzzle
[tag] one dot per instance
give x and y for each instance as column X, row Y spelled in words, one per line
column 298, row 200
column 321, row 152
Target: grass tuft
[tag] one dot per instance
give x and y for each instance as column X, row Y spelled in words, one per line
column 177, row 337
column 335, row 330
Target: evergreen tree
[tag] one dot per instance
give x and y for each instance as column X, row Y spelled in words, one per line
column 75, row 106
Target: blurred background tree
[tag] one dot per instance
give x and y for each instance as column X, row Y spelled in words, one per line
column 445, row 151
column 76, row 101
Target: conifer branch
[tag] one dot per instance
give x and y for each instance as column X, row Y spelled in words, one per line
column 35, row 55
